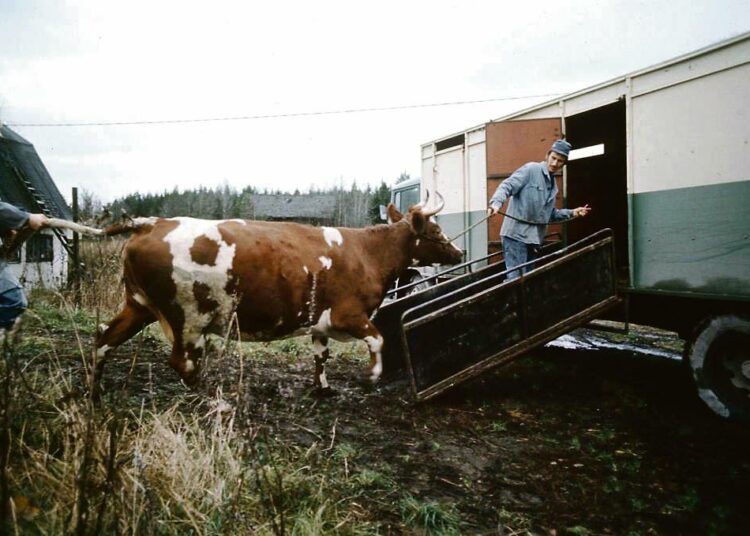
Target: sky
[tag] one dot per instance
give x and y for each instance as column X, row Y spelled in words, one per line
column 166, row 63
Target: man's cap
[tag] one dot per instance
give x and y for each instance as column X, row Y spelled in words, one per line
column 561, row 147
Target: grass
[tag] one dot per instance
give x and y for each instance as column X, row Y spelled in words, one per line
column 199, row 464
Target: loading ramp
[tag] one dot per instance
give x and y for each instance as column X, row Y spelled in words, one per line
column 467, row 325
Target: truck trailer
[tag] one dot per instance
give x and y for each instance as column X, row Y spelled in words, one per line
column 662, row 155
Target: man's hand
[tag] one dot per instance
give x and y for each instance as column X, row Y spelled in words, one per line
column 37, row 221
column 581, row 211
column 492, row 211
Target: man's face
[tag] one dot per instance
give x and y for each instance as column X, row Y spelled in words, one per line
column 555, row 162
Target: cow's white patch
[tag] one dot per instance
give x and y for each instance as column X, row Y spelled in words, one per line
column 377, row 370
column 318, row 348
column 186, row 272
column 323, row 380
column 375, row 345
column 323, row 326
column 417, row 242
column 140, row 299
column 237, row 220
column 327, row 262
column 306, row 270
column 332, row 236
column 103, row 328
column 138, row 222
column 101, row 352
column 415, row 262
column 189, row 366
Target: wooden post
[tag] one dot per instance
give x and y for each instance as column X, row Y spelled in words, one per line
column 75, row 264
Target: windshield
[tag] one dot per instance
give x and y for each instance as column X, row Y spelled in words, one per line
column 405, row 198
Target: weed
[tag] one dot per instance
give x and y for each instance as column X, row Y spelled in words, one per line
column 432, row 517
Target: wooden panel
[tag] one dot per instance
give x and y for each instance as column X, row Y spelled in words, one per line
column 510, row 144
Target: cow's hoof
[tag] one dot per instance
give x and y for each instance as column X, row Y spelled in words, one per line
column 324, row 392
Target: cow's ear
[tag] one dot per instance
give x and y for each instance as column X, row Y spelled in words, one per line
column 417, row 221
column 394, row 216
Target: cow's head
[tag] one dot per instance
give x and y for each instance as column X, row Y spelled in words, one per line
column 431, row 244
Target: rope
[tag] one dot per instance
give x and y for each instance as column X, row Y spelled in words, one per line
column 507, row 216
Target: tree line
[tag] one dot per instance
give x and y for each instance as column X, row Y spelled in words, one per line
column 354, row 207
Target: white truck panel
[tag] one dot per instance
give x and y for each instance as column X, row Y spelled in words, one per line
column 693, row 134
column 448, row 179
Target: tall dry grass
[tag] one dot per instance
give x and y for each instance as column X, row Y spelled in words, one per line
column 200, row 464
column 101, row 288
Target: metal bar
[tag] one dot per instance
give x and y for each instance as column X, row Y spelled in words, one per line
column 550, row 266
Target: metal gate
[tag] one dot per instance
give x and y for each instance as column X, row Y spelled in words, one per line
column 483, row 321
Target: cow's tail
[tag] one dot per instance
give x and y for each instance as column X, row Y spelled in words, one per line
column 57, row 223
column 129, row 226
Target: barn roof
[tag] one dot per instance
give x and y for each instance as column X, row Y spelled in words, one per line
column 24, row 179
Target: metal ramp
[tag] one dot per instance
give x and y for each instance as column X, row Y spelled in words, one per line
column 465, row 326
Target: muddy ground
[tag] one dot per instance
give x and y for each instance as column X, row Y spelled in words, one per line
column 588, row 438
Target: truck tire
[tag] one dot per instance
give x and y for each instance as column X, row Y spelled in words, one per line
column 719, row 358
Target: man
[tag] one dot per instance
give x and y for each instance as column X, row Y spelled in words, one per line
column 532, row 190
column 12, row 299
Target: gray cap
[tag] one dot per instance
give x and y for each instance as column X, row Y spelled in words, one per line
column 561, row 147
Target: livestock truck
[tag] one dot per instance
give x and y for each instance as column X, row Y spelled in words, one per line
column 662, row 155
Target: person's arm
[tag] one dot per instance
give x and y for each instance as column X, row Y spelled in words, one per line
column 559, row 214
column 510, row 186
column 13, row 219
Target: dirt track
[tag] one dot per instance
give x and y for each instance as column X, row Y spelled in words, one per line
column 605, row 441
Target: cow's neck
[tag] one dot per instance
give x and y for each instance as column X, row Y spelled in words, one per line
column 392, row 249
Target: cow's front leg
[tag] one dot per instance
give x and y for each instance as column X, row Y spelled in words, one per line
column 359, row 326
column 321, row 354
column 374, row 342
column 185, row 359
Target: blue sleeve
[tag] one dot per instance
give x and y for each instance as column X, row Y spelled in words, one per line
column 560, row 214
column 511, row 186
column 11, row 217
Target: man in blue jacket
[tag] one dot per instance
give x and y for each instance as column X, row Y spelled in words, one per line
column 532, row 190
column 12, row 299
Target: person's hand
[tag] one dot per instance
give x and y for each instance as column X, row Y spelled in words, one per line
column 37, row 221
column 581, row 211
column 492, row 210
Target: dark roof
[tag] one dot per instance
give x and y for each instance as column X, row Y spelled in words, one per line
column 22, row 174
column 290, row 207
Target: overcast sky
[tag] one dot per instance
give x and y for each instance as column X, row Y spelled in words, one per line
column 98, row 61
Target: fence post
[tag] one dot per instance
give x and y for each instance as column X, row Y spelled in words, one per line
column 76, row 261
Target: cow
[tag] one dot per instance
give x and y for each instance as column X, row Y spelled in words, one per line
column 281, row 279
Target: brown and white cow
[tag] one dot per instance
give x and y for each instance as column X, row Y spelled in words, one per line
column 281, row 279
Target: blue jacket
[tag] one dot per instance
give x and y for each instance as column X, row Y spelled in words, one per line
column 532, row 198
column 10, row 218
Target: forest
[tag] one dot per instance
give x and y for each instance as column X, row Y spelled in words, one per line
column 352, row 207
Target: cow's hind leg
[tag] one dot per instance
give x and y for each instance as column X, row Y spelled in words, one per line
column 321, row 352
column 132, row 319
column 185, row 358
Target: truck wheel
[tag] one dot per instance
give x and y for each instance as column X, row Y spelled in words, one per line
column 719, row 357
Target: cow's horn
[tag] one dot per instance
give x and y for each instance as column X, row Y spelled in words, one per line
column 438, row 208
column 423, row 204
